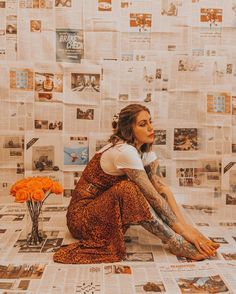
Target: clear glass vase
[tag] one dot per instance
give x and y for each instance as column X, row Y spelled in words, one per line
column 34, row 228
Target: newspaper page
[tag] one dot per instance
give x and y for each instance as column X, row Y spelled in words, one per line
column 188, row 106
column 12, row 151
column 81, row 118
column 16, row 116
column 76, row 152
column 48, row 117
column 186, row 278
column 218, row 140
column 36, row 39
column 83, row 84
column 137, row 81
column 162, row 66
column 42, row 153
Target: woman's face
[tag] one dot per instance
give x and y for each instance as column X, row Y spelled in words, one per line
column 143, row 130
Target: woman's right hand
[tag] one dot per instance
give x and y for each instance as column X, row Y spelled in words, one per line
column 191, row 234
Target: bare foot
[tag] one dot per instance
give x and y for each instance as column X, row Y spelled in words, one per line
column 180, row 247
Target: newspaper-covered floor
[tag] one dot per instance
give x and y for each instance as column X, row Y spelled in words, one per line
column 148, row 268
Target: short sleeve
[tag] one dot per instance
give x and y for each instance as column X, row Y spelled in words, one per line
column 128, row 157
column 149, row 157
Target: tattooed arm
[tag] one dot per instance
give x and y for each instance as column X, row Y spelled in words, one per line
column 158, row 203
column 187, row 231
column 154, row 175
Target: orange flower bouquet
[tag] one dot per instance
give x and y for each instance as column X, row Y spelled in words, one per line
column 34, row 191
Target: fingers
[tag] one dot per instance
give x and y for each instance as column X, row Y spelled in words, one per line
column 207, row 249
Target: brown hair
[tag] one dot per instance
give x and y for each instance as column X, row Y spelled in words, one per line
column 123, row 129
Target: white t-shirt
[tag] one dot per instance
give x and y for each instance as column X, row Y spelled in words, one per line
column 121, row 156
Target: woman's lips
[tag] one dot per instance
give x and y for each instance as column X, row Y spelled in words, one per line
column 151, row 136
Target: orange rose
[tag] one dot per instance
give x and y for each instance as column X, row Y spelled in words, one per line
column 22, row 195
column 56, row 188
column 47, row 184
column 34, row 184
column 37, row 195
column 19, row 185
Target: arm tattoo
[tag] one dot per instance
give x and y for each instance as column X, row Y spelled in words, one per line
column 159, row 204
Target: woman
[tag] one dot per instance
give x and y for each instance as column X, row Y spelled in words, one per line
column 120, row 187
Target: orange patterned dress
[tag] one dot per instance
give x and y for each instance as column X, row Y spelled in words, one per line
column 100, row 211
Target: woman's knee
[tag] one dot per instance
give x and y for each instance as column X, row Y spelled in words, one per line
column 127, row 187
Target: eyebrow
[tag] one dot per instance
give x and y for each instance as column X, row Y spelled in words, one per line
column 145, row 120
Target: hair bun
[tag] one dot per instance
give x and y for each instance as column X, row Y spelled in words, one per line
column 114, row 124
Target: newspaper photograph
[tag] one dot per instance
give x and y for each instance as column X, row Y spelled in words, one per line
column 42, row 153
column 76, row 152
column 198, row 173
column 69, row 45
column 21, row 84
column 83, row 84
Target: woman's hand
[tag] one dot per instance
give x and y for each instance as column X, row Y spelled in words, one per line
column 203, row 244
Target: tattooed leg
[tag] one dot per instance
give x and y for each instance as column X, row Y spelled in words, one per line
column 176, row 243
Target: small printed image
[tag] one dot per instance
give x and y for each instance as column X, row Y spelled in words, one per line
column 35, row 25
column 48, row 82
column 100, row 144
column 14, row 271
column 150, row 287
column 52, row 245
column 104, row 5
column 184, row 172
column 230, row 199
column 25, row 248
column 21, row 79
column 159, row 137
column 158, row 73
column 140, row 22
column 11, row 29
column 220, row 240
column 12, row 142
column 139, row 256
column 123, row 97
column 43, row 158
column 40, row 4
column 67, row 193
column 75, row 156
column 41, row 124
column 118, row 269
column 63, row 3
column 169, row 7
column 229, row 256
column 186, row 182
column 84, row 82
column 87, row 114
column 2, row 4
column 213, row 284
column 11, row 217
column 211, row 16
column 45, row 97
column 185, row 139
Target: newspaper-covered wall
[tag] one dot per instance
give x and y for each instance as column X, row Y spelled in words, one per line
column 67, row 66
